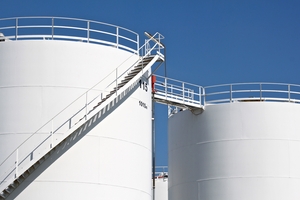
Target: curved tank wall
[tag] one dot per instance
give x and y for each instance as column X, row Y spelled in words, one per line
column 37, row 80
column 242, row 150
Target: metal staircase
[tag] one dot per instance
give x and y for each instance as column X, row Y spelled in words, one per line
column 20, row 168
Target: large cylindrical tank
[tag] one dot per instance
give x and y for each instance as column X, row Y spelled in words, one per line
column 38, row 79
column 239, row 150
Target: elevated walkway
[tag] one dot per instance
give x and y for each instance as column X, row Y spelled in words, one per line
column 177, row 93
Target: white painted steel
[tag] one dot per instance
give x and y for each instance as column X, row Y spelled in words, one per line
column 179, row 93
column 161, row 183
column 276, row 92
column 161, row 189
column 40, row 78
column 241, row 150
column 71, row 29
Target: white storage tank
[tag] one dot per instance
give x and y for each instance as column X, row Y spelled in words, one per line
column 244, row 145
column 47, row 64
column 161, row 183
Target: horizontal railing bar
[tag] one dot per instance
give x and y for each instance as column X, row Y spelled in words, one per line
column 217, row 93
column 68, row 18
column 7, row 27
column 178, row 81
column 254, row 98
column 22, row 23
column 251, row 83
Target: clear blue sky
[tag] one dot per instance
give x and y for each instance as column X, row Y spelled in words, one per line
column 208, row 42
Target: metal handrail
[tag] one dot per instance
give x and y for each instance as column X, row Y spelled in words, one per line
column 159, row 169
column 179, row 90
column 54, row 25
column 226, row 93
column 256, row 91
column 113, row 75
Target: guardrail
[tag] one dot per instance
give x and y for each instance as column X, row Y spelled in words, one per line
column 178, row 91
column 71, row 29
column 161, row 172
column 186, row 94
column 250, row 92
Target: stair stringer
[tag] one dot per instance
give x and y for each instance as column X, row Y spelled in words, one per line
column 8, row 185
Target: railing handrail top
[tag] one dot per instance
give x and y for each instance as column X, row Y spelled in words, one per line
column 250, row 83
column 191, row 84
column 68, row 18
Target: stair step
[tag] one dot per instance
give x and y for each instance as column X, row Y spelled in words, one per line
column 15, row 184
column 24, row 176
column 19, row 180
column 139, row 67
column 5, row 193
column 31, row 169
column 131, row 75
column 36, row 165
column 10, row 188
column 134, row 71
column 111, row 93
column 2, row 196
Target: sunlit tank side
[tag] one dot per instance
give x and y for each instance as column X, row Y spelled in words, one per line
column 41, row 76
column 244, row 148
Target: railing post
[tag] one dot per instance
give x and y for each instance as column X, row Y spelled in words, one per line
column 166, row 89
column 159, row 42
column 230, row 93
column 117, row 39
column 204, row 97
column 52, row 28
column 289, row 92
column 138, row 44
column 17, row 163
column 16, row 36
column 51, row 144
column 70, row 123
column 183, row 92
column 200, row 96
column 88, row 31
column 260, row 91
column 86, row 105
column 116, row 81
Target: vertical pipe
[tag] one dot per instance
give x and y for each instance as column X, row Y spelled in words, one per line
column 153, row 146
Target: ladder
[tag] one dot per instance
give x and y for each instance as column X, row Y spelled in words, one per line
column 14, row 176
